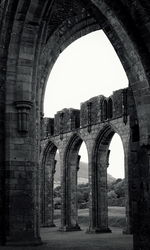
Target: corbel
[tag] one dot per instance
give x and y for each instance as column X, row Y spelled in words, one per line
column 23, row 112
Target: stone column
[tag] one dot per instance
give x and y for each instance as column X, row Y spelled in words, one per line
column 2, row 182
column 128, row 191
column 141, row 199
column 48, row 199
column 98, row 194
column 22, row 207
column 2, row 200
column 2, row 166
column 78, row 163
column 69, row 220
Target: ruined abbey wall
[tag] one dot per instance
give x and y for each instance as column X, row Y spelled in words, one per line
column 95, row 124
column 32, row 36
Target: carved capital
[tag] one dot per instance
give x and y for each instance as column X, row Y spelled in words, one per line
column 23, row 110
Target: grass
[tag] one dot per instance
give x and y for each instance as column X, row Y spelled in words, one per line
column 116, row 217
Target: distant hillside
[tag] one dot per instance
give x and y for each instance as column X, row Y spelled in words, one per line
column 82, row 174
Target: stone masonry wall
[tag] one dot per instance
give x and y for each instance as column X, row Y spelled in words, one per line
column 91, row 113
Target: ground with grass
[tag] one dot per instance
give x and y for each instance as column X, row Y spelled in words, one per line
column 116, row 217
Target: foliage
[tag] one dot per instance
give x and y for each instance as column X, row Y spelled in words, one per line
column 57, row 191
column 111, row 194
column 57, row 202
column 116, row 193
column 83, row 195
column 120, row 189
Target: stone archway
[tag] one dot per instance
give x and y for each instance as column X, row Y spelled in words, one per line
column 69, row 185
column 99, row 165
column 26, row 28
column 115, row 27
column 48, row 166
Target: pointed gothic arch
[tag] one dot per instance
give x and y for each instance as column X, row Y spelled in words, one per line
column 99, row 180
column 71, row 164
column 28, row 33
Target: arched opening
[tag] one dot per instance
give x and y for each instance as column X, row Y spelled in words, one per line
column 69, row 185
column 116, row 192
column 57, row 191
column 101, row 76
column 100, row 183
column 83, row 188
column 48, row 173
column 121, row 31
column 63, row 97
column 89, row 61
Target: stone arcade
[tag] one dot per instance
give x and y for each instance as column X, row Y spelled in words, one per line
column 33, row 33
column 95, row 124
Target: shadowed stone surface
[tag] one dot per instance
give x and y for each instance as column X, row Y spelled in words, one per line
column 32, row 35
column 54, row 240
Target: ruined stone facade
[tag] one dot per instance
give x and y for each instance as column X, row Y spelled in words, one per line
column 95, row 124
column 32, row 35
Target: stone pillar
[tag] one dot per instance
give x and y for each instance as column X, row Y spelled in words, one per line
column 22, row 207
column 141, row 199
column 2, row 166
column 2, row 181
column 69, row 221
column 128, row 192
column 48, row 191
column 78, row 163
column 98, row 194
column 2, row 202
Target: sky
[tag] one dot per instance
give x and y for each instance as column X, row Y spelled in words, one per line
column 87, row 68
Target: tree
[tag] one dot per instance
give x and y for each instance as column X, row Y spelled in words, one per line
column 120, row 189
column 111, row 194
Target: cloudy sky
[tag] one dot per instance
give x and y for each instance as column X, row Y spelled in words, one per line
column 87, row 68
